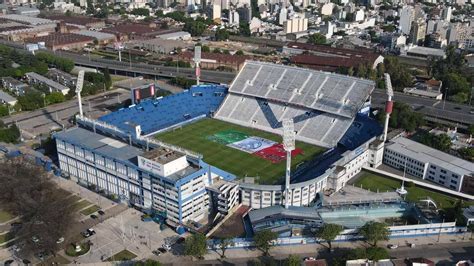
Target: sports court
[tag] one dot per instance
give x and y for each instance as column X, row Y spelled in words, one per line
column 212, row 138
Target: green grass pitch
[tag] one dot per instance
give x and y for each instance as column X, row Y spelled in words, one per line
column 195, row 138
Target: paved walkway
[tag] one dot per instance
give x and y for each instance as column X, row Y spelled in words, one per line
column 421, row 183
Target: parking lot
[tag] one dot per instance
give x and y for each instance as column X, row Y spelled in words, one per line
column 126, row 231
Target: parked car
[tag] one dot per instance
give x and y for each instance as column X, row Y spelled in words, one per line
column 60, row 240
column 8, row 262
column 162, row 250
column 166, row 246
column 101, row 212
column 309, row 259
column 392, row 246
column 93, row 216
column 156, row 252
column 35, row 239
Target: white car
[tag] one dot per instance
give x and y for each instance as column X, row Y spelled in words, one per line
column 392, row 246
column 60, row 240
column 35, row 239
column 166, row 246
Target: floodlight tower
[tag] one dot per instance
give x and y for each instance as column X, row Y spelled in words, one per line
column 289, row 145
column 197, row 62
column 388, row 105
column 80, row 82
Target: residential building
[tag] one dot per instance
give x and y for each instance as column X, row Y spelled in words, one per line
column 427, row 163
column 418, row 31
column 6, row 98
column 62, row 77
column 15, row 86
column 407, row 15
column 53, row 86
column 295, row 25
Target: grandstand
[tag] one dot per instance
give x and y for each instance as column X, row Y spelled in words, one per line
column 159, row 114
column 323, row 105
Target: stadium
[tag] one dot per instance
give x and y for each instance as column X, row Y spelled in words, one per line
column 227, row 143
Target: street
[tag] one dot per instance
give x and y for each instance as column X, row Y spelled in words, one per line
column 57, row 116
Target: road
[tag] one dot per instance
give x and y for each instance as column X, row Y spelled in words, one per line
column 436, row 109
column 52, row 117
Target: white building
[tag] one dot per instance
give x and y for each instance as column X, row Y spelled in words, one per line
column 427, row 163
column 234, row 17
column 295, row 25
column 283, row 16
column 359, row 15
column 447, row 13
column 327, row 9
column 407, row 14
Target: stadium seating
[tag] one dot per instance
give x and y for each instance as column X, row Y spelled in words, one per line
column 321, row 104
column 157, row 114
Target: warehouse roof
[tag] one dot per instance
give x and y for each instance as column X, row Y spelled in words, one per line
column 424, row 153
column 27, row 19
column 55, row 39
column 101, row 36
column 76, row 20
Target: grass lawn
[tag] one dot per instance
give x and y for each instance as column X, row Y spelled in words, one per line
column 81, row 205
column 194, row 137
column 373, row 182
column 123, row 255
column 90, row 210
column 5, row 216
column 71, row 249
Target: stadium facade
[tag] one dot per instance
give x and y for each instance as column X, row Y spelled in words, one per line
column 116, row 154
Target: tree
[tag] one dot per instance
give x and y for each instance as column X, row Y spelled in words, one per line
column 374, row 232
column 140, row 12
column 377, row 253
column 217, row 51
column 31, row 101
column 263, row 240
column 9, row 134
column 467, row 153
column 440, row 142
column 45, row 210
column 54, row 97
column 148, row 262
column 205, row 49
column 196, row 246
column 4, row 110
column 329, row 232
column 317, row 38
column 221, row 35
column 244, row 28
column 293, row 260
column 239, row 52
column 224, row 244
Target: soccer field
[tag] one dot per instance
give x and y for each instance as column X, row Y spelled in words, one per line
column 196, row 137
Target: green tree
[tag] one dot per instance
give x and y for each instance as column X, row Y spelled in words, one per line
column 293, row 260
column 329, row 232
column 374, row 232
column 239, row 52
column 148, row 262
column 244, row 28
column 196, row 246
column 221, row 35
column 4, row 110
column 263, row 240
column 377, row 253
column 467, row 153
column 224, row 244
column 440, row 142
column 54, row 97
column 31, row 101
column 205, row 49
column 140, row 12
column 317, row 38
column 255, row 10
column 194, row 27
column 9, row 134
column 399, row 74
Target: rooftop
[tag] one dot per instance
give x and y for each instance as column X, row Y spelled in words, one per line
column 424, row 153
column 426, row 51
column 47, row 81
column 100, row 144
column 5, row 97
column 76, row 20
column 27, row 19
column 162, row 155
column 279, row 211
column 96, row 34
column 55, row 39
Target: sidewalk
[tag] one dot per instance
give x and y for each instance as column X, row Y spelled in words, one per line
column 305, row 250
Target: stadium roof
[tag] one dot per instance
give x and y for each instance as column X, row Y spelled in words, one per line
column 327, row 92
